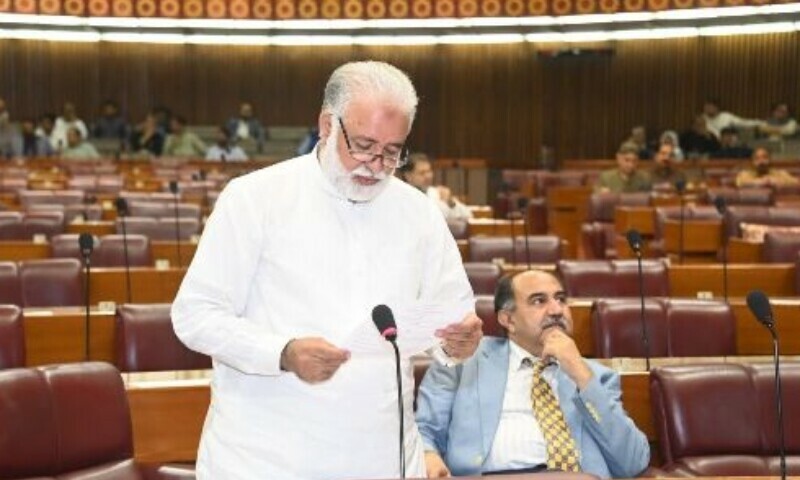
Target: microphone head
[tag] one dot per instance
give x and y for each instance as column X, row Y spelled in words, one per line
column 122, row 206
column 680, row 186
column 721, row 205
column 634, row 239
column 383, row 318
column 86, row 242
column 758, row 303
column 173, row 186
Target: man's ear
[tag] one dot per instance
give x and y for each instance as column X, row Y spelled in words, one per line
column 325, row 126
column 505, row 320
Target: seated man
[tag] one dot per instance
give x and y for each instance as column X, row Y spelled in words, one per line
column 528, row 402
column 225, row 150
column 730, row 146
column 418, row 172
column 625, row 178
column 664, row 172
column 761, row 174
column 780, row 124
column 77, row 148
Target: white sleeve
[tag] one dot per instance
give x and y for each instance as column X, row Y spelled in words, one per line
column 208, row 312
column 744, row 122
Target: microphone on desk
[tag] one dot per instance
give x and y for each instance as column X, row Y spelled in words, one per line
column 721, row 206
column 680, row 187
column 122, row 212
column 383, row 318
column 635, row 242
column 759, row 305
column 173, row 187
column 86, row 244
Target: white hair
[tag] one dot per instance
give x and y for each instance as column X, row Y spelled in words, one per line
column 370, row 79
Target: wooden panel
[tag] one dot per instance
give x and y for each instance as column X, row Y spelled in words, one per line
column 741, row 251
column 566, row 210
column 698, row 236
column 495, row 228
column 98, row 228
column 15, row 251
column 148, row 285
column 58, row 336
column 774, row 279
column 640, row 218
column 168, row 250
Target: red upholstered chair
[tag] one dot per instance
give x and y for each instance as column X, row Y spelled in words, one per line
column 52, row 282
column 146, row 341
column 111, row 251
column 718, row 420
column 741, row 196
column 459, row 228
column 484, row 308
column 12, row 337
column 47, row 223
column 654, row 274
column 161, row 228
column 10, row 225
column 780, row 247
column 546, row 180
column 483, row 276
column 71, row 422
column 598, row 233
column 699, row 328
column 617, row 328
column 542, row 248
column 9, row 284
column 780, row 216
column 61, row 197
column 613, row 278
column 164, row 210
column 66, row 245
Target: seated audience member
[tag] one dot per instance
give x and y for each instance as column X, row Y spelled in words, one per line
column 626, row 178
column 44, row 128
column 110, row 125
column 309, row 141
column 730, row 147
column 717, row 119
column 639, row 138
column 418, row 172
column 761, row 174
column 10, row 138
column 528, row 402
column 665, row 172
column 163, row 116
column 77, row 147
column 224, row 150
column 147, row 138
column 183, row 143
column 671, row 138
column 68, row 119
column 698, row 141
column 33, row 144
column 780, row 124
column 245, row 127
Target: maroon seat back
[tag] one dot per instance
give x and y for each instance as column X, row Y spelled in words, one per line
column 617, row 328
column 780, row 247
column 160, row 228
column 655, row 278
column 111, row 251
column 484, row 308
column 47, row 223
column 458, row 227
column 66, row 245
column 541, row 248
column 780, row 216
column 65, row 419
column 603, row 205
column 483, row 276
column 12, row 337
column 146, row 341
column 690, row 213
column 164, row 210
column 700, row 328
column 9, row 284
column 614, row 278
column 741, row 196
column 10, row 225
column 52, row 282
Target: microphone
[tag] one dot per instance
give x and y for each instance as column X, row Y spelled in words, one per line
column 173, row 187
column 680, row 186
column 635, row 242
column 383, row 318
column 86, row 244
column 122, row 212
column 759, row 305
column 721, row 206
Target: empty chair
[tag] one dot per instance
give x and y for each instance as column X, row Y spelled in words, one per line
column 164, row 210
column 735, row 216
column 47, row 223
column 540, row 248
column 9, row 284
column 161, row 228
column 483, row 277
column 146, row 341
column 61, row 197
column 459, row 228
column 66, row 245
column 741, row 196
column 12, row 337
column 10, row 225
column 484, row 308
column 780, row 247
column 111, row 251
column 718, row 419
column 52, row 282
column 614, row 278
column 617, row 328
column 700, row 328
column 598, row 232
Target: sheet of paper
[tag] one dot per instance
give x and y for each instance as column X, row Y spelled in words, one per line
column 416, row 327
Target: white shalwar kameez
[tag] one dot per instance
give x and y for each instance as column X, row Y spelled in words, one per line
column 284, row 255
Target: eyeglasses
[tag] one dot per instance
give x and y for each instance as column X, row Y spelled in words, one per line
column 390, row 157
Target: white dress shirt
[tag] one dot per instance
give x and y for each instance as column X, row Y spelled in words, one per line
column 458, row 211
column 283, row 256
column 519, row 442
column 231, row 154
column 727, row 119
column 58, row 137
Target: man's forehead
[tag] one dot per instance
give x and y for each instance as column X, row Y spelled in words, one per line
column 528, row 283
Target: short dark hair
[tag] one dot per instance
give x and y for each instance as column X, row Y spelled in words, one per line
column 504, row 293
column 729, row 131
column 712, row 101
column 413, row 160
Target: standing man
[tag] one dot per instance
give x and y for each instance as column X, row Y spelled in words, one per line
column 292, row 261
column 529, row 402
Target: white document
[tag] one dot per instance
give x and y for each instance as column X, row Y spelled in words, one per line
column 416, row 328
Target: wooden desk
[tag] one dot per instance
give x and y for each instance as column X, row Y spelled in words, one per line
column 640, row 218
column 566, row 210
column 741, row 251
column 699, row 236
column 148, row 285
column 98, row 228
column 58, row 335
column 12, row 250
column 495, row 228
column 775, row 279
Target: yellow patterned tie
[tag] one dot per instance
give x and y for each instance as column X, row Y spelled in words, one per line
column 561, row 452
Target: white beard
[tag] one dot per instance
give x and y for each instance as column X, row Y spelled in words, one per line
column 343, row 180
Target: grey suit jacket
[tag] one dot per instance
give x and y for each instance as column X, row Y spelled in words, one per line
column 458, row 410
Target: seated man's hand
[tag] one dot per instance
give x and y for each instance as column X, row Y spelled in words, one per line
column 561, row 347
column 461, row 339
column 314, row 360
column 434, row 466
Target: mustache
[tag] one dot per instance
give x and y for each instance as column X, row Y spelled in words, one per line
column 553, row 322
column 363, row 171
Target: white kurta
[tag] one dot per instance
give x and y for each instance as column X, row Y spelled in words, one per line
column 284, row 255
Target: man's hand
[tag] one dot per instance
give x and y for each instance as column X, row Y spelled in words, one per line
column 461, row 339
column 314, row 360
column 434, row 466
column 561, row 347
